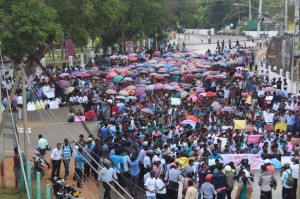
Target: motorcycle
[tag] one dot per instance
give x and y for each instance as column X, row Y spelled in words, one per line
column 38, row 163
column 63, row 190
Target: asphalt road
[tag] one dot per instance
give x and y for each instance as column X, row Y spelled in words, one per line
column 195, row 42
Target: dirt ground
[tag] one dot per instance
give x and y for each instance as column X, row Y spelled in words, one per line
column 90, row 184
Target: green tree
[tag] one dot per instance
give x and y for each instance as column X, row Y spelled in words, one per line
column 27, row 29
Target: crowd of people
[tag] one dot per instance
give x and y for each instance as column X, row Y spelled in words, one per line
column 175, row 105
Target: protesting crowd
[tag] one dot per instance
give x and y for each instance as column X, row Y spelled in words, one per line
column 169, row 118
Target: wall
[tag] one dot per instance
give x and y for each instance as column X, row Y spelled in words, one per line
column 201, row 31
column 272, row 33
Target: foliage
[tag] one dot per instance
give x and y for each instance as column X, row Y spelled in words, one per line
column 28, row 27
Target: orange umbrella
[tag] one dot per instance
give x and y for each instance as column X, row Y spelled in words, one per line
column 192, row 117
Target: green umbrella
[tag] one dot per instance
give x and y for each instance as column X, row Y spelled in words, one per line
column 117, row 78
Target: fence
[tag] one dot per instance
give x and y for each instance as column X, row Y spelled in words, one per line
column 268, row 71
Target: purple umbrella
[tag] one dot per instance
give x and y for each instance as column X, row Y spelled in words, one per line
column 63, row 84
column 75, row 73
column 157, row 87
column 199, row 90
column 139, row 91
column 227, row 109
column 146, row 110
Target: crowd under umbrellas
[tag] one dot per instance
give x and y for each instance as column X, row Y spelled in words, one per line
column 183, row 99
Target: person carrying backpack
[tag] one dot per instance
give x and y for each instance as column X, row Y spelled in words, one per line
column 287, row 182
column 67, row 151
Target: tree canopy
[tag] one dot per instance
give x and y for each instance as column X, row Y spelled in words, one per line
column 29, row 27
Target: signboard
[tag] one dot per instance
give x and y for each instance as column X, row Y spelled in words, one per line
column 175, row 101
column 251, row 24
column 129, row 46
column 70, row 48
column 255, row 160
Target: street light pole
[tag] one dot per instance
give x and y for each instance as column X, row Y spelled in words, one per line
column 286, row 16
column 250, row 12
column 260, row 18
column 156, row 42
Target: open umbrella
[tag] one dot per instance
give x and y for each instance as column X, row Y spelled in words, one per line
column 158, row 76
column 117, row 78
column 64, row 74
column 191, row 122
column 128, row 79
column 132, row 98
column 63, row 84
column 69, row 90
column 139, row 91
column 158, row 87
column 193, row 98
column 149, row 87
column 183, row 94
column 192, row 117
column 124, row 93
column 131, row 87
column 133, row 59
column 146, row 110
column 110, row 92
column 227, row 109
column 238, row 75
column 199, row 89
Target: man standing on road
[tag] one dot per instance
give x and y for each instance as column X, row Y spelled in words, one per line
column 266, row 182
column 67, row 150
column 220, row 182
column 287, row 189
column 295, row 172
column 56, row 160
column 43, row 145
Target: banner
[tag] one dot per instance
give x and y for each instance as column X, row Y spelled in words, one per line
column 129, row 46
column 281, row 126
column 183, row 161
column 50, row 93
column 255, row 160
column 70, row 48
column 175, row 101
column 239, row 124
column 253, row 139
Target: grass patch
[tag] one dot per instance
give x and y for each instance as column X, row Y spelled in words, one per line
column 12, row 193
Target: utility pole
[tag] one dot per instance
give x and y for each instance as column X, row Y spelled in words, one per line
column 250, row 10
column 286, row 16
column 294, row 68
column 259, row 17
column 25, row 125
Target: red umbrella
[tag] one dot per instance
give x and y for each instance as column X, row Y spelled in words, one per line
column 192, row 117
column 157, row 52
column 133, row 59
column 210, row 94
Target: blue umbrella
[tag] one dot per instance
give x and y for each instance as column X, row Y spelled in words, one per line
column 223, row 63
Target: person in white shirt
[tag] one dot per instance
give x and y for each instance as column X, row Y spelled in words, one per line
column 106, row 175
column 56, row 160
column 276, row 106
column 161, row 185
column 150, row 186
column 147, row 160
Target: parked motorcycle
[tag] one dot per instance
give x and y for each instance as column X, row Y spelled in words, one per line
column 63, row 190
column 38, row 163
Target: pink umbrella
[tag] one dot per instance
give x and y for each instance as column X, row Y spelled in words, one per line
column 210, row 77
column 86, row 75
column 193, row 97
column 158, row 76
column 174, row 83
column 219, row 76
column 133, row 59
column 111, row 75
column 238, row 75
column 64, row 74
column 157, row 52
column 199, row 89
column 146, row 110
